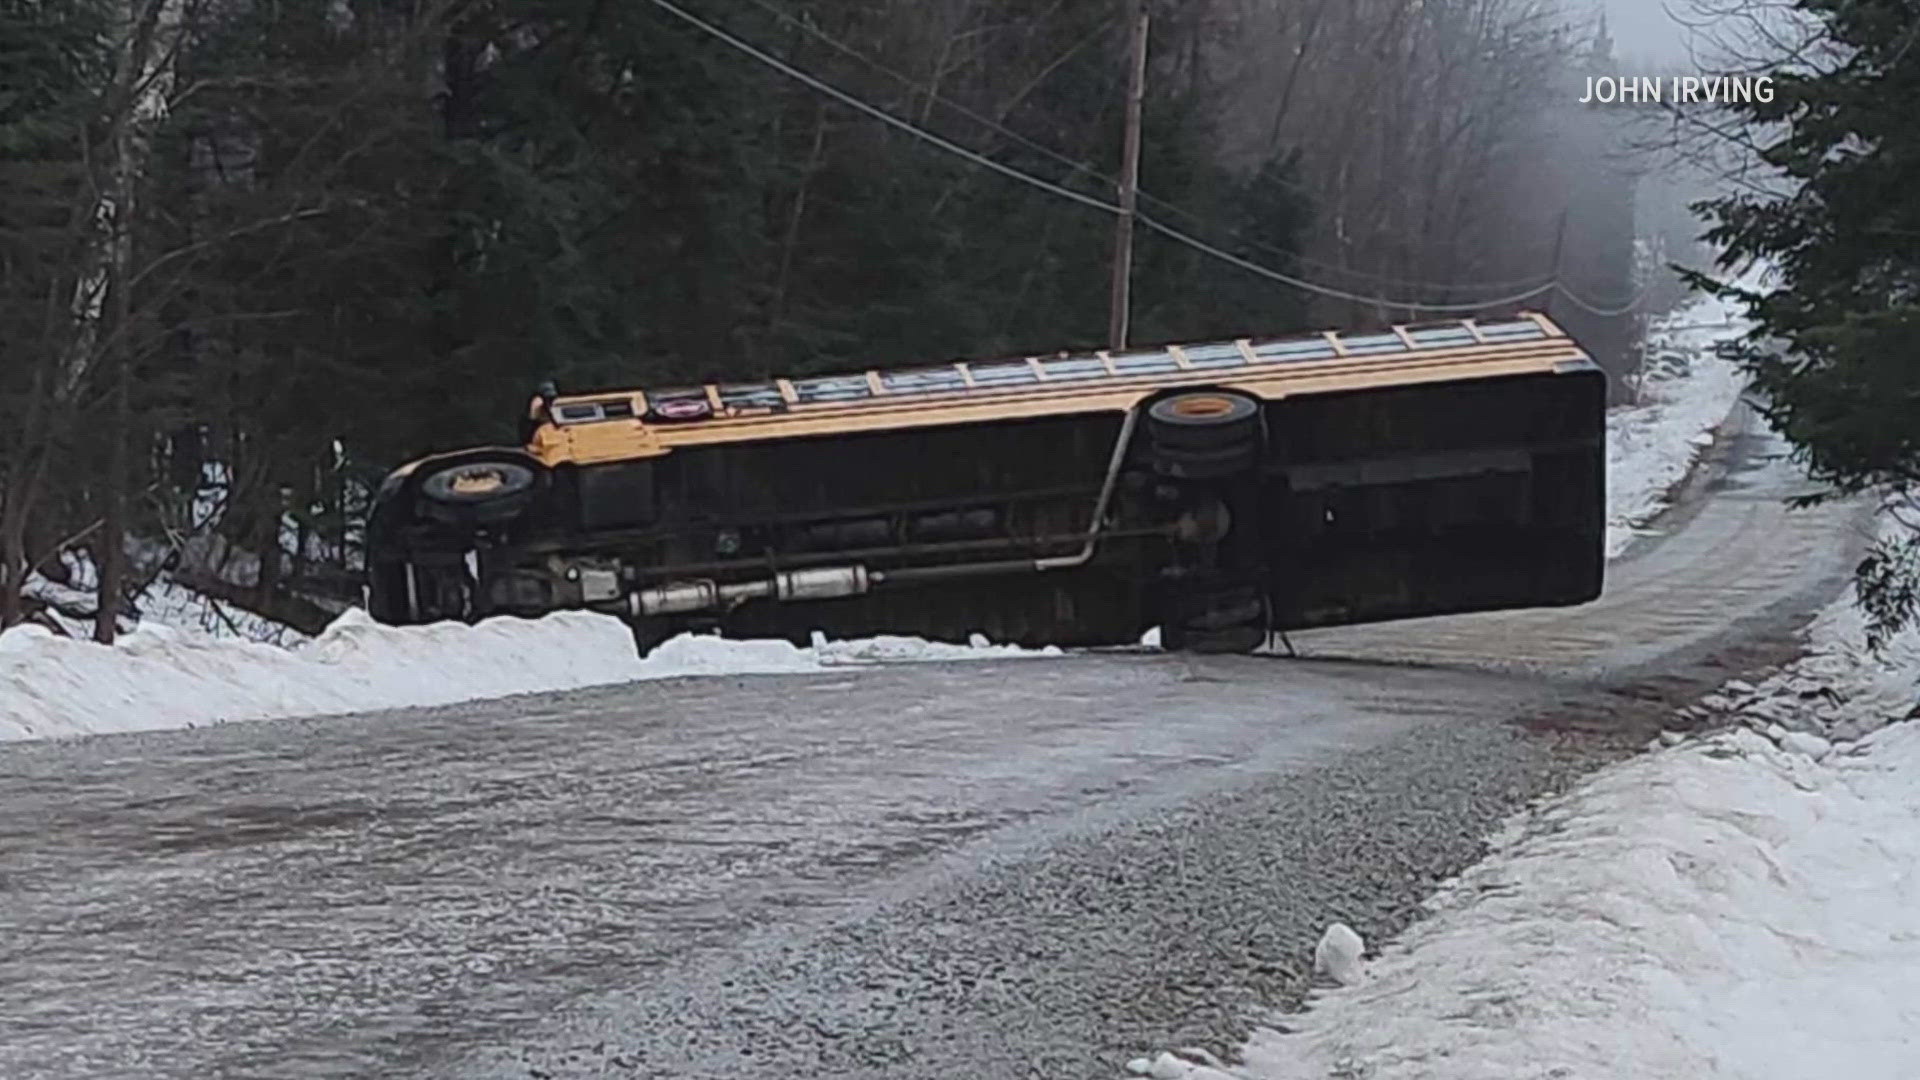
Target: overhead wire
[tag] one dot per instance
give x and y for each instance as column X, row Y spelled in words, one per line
column 1329, row 291
column 1600, row 310
column 1163, row 229
column 1092, row 173
column 878, row 113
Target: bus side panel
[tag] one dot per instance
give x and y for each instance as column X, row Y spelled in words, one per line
column 1433, row 500
column 845, row 475
column 913, row 474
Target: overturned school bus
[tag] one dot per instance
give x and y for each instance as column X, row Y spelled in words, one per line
column 1220, row 491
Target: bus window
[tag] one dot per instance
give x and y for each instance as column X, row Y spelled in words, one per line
column 1524, row 330
column 756, row 396
column 1446, row 336
column 1073, row 367
column 1001, row 374
column 1154, row 363
column 832, row 388
column 1372, row 344
column 1295, row 349
column 1215, row 356
column 923, row 380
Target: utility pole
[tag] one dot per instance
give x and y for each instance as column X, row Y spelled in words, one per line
column 1129, row 186
column 1559, row 245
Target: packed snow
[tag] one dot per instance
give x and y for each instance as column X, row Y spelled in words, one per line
column 1338, row 955
column 1743, row 904
column 163, row 603
column 1686, row 391
column 159, row 677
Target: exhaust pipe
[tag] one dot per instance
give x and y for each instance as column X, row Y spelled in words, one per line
column 688, row 597
column 834, row 582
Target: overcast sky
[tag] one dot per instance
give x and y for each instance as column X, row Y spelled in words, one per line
column 1641, row 29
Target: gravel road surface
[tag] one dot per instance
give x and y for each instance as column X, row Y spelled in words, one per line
column 995, row 869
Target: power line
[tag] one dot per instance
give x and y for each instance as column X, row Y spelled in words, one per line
column 1326, row 290
column 878, row 114
column 1046, row 185
column 1604, row 312
column 1092, row 173
column 908, row 81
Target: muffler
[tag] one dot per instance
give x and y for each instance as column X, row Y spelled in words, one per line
column 689, row 597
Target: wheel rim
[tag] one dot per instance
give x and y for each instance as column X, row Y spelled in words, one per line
column 478, row 484
column 1201, row 406
column 481, row 481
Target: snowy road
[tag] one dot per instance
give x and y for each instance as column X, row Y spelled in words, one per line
column 991, row 869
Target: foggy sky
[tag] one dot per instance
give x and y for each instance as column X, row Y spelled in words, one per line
column 1642, row 30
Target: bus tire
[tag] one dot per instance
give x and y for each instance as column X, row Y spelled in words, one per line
column 1221, row 618
column 1204, row 434
column 1239, row 640
column 1181, row 464
column 490, row 486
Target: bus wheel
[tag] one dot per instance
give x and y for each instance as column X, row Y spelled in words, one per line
column 1217, row 619
column 1239, row 640
column 487, row 488
column 1203, row 434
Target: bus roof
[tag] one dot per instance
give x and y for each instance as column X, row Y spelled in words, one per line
column 1075, row 382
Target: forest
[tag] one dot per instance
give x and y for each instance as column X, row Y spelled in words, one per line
column 255, row 253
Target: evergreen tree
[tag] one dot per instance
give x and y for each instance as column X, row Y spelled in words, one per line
column 1846, row 387
column 55, row 59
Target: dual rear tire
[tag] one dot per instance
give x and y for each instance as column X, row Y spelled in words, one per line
column 1212, row 442
column 1205, row 434
column 1211, row 614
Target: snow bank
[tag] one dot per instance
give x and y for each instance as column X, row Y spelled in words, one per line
column 158, row 677
column 892, row 649
column 1736, row 905
column 1836, row 691
column 164, row 602
column 171, row 604
column 1686, row 393
column 1726, row 909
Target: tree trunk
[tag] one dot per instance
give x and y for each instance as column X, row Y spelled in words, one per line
column 777, row 310
column 13, row 559
column 124, row 156
column 302, row 532
column 113, row 532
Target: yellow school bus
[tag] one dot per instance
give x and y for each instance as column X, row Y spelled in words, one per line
column 1221, row 491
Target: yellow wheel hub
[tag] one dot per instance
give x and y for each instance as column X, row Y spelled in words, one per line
column 477, row 482
column 1202, row 406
